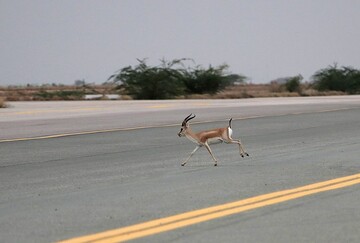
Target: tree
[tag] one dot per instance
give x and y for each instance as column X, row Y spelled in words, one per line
column 352, row 80
column 170, row 79
column 345, row 79
column 293, row 83
column 79, row 82
column 145, row 82
column 236, row 79
column 211, row 80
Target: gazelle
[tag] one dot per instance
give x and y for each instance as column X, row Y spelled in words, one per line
column 204, row 138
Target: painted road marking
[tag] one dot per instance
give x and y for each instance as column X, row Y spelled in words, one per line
column 34, row 112
column 160, row 106
column 156, row 126
column 85, row 133
column 206, row 214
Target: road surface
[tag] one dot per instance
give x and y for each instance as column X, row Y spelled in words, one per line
column 55, row 189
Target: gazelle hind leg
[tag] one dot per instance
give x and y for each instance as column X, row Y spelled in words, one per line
column 241, row 148
column 193, row 152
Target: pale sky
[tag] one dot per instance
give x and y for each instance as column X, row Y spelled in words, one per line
column 60, row 41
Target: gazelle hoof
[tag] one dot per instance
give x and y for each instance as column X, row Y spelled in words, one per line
column 246, row 154
column 215, row 164
column 182, row 164
column 242, row 155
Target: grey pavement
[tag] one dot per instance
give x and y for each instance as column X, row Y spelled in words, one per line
column 33, row 119
column 55, row 189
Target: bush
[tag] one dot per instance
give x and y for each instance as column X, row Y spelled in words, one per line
column 332, row 78
column 293, row 84
column 144, row 82
column 59, row 95
column 201, row 81
column 2, row 103
column 169, row 80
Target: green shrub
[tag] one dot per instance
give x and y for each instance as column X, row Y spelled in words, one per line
column 332, row 78
column 293, row 84
column 201, row 81
column 145, row 82
column 60, row 95
column 169, row 80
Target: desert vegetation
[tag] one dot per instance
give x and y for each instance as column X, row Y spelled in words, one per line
column 2, row 102
column 172, row 79
column 176, row 80
column 49, row 92
column 345, row 79
column 183, row 79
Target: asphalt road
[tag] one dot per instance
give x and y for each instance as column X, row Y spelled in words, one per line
column 56, row 189
column 33, row 119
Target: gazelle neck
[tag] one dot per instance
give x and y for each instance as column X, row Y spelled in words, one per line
column 191, row 135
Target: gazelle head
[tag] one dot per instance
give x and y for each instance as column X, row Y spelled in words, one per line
column 185, row 125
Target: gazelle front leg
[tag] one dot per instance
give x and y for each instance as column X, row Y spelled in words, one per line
column 193, row 152
column 209, row 149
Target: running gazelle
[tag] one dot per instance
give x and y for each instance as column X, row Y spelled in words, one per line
column 204, row 138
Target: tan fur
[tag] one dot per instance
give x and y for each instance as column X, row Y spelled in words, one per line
column 204, row 138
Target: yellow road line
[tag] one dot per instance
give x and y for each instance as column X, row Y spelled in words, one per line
column 160, row 106
column 33, row 112
column 206, row 214
column 201, row 104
